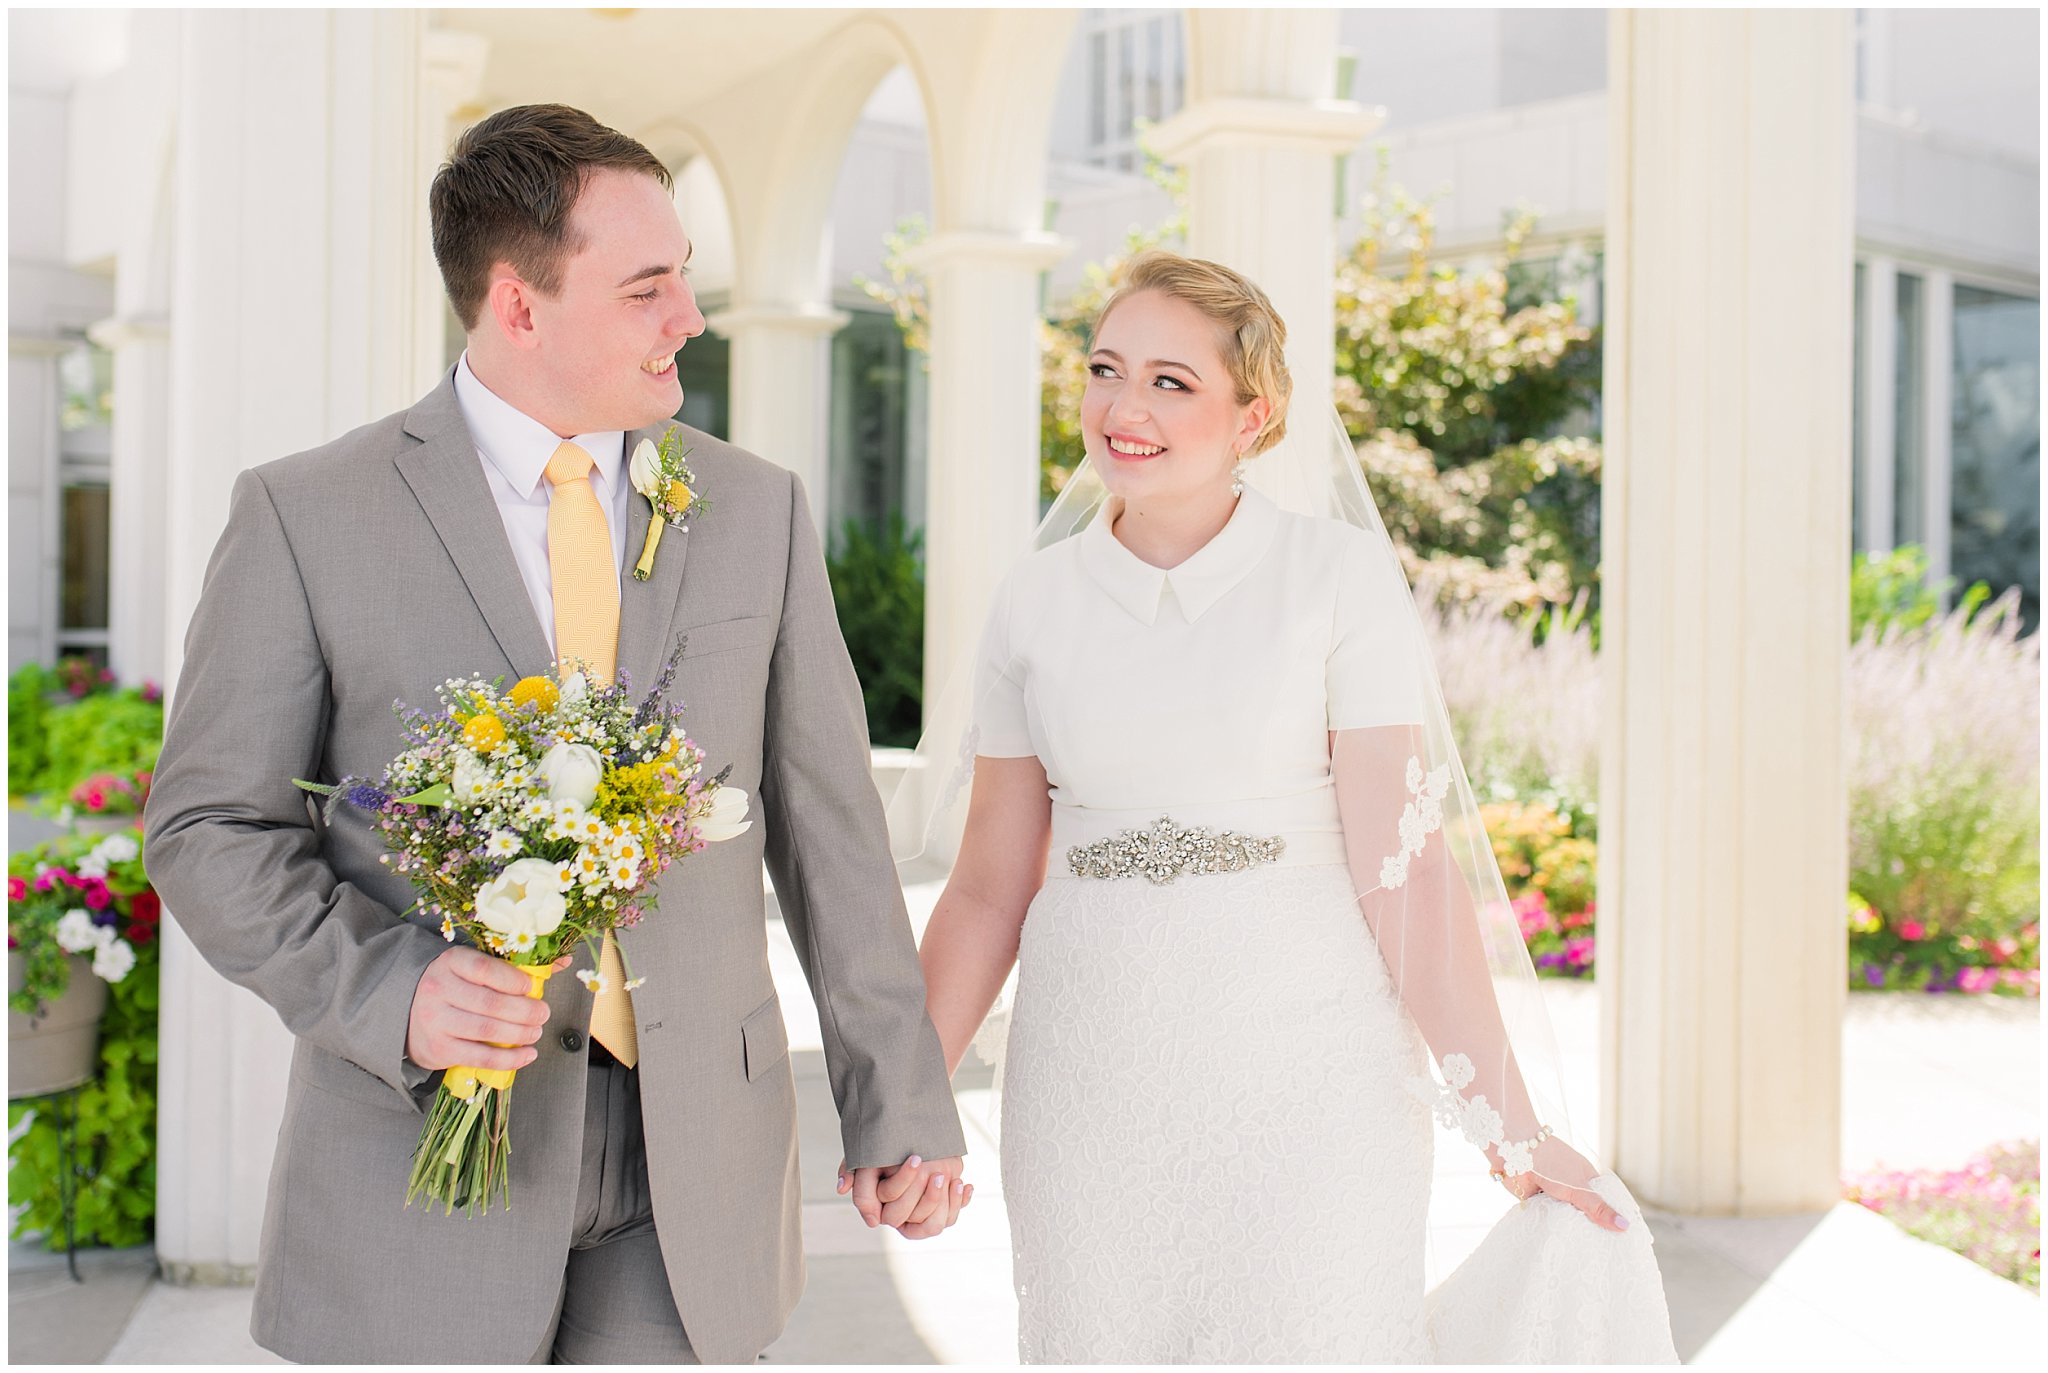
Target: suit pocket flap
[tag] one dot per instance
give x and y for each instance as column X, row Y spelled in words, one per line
column 764, row 1038
column 723, row 636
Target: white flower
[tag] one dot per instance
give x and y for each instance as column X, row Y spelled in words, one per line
column 536, row 809
column 92, row 865
column 472, row 779
column 502, row 844
column 727, row 818
column 568, row 821
column 634, row 984
column 1439, row 781
column 520, row 941
column 624, row 875
column 595, row 981
column 646, row 470
column 1481, row 1123
column 113, row 960
column 526, row 896
column 588, row 866
column 575, row 687
column 76, row 932
column 1412, row 831
column 572, row 772
column 118, row 848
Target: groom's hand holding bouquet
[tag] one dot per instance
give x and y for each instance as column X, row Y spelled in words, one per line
column 527, row 822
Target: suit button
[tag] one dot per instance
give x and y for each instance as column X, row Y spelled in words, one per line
column 571, row 1040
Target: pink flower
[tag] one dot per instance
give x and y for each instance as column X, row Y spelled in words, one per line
column 1976, row 979
column 97, row 897
column 17, row 889
column 1912, row 929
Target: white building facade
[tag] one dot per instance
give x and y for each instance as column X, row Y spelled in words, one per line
column 218, row 230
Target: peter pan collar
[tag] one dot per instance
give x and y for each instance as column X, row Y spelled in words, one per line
column 1204, row 579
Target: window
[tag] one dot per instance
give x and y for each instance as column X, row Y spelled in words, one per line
column 874, row 402
column 704, row 368
column 1909, row 466
column 1995, row 444
column 1137, row 70
column 85, row 381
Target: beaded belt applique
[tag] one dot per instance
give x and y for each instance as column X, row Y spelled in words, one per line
column 1164, row 850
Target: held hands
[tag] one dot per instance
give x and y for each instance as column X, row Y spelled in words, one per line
column 918, row 1197
column 1564, row 1173
column 468, row 1007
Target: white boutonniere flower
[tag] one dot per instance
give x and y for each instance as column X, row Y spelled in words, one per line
column 661, row 473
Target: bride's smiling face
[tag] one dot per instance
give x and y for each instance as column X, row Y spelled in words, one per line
column 1160, row 417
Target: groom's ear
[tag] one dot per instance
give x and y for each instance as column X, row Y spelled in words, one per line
column 508, row 302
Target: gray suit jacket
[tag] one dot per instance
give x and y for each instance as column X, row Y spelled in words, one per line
column 369, row 571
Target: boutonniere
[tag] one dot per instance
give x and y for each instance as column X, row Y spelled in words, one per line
column 661, row 475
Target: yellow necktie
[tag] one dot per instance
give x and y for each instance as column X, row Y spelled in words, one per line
column 586, row 590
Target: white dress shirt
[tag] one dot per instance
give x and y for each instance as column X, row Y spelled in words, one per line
column 515, row 449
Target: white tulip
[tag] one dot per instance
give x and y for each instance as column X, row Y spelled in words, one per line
column 526, row 898
column 727, row 818
column 575, row 687
column 571, row 773
column 113, row 960
column 646, row 470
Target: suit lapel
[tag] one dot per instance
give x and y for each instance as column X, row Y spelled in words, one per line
column 647, row 609
column 448, row 480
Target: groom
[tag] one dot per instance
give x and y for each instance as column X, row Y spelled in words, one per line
column 655, row 1196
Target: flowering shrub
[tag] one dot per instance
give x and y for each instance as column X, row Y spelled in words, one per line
column 1944, row 804
column 110, row 793
column 116, row 1112
column 1549, row 875
column 1989, row 1210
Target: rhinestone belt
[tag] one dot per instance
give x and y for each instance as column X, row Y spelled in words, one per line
column 1164, row 850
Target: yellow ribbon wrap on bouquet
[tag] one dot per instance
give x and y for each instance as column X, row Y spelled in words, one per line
column 462, row 1082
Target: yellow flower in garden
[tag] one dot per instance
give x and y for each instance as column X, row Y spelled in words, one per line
column 484, row 733
column 538, row 692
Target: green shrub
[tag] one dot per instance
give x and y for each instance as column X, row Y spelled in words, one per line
column 878, row 587
column 118, row 732
column 28, row 722
column 1893, row 591
column 116, row 1111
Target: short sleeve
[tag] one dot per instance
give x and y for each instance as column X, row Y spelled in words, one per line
column 1375, row 671
column 1001, row 728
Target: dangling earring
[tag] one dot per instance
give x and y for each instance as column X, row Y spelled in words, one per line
column 1237, row 477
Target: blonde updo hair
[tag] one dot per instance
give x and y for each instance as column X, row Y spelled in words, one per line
column 1252, row 334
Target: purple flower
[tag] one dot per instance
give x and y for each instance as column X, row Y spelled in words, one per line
column 365, row 796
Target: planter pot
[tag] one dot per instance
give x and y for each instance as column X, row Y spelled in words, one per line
column 59, row 1048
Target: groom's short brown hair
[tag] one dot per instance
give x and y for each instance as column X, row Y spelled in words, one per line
column 505, row 193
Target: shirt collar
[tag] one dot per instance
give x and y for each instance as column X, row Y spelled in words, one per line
column 519, row 446
column 1200, row 582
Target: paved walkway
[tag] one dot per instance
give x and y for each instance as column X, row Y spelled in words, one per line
column 1928, row 1081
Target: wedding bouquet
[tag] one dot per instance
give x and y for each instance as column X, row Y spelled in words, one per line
column 528, row 821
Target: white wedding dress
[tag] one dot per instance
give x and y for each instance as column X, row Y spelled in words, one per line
column 1212, row 1146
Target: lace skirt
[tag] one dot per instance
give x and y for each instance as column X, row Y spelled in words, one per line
column 1209, row 1151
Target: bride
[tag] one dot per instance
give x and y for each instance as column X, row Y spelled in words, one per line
column 1217, row 824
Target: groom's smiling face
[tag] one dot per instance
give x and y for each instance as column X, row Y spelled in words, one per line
column 603, row 348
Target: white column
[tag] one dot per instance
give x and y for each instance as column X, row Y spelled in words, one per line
column 1725, row 509
column 982, row 473
column 1260, row 139
column 141, row 345
column 1937, row 420
column 781, row 388
column 300, row 277
column 1879, row 403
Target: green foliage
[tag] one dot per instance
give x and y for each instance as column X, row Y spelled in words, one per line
column 118, row 732
column 1461, row 390
column 1893, row 591
column 878, row 587
column 28, row 723
column 116, row 1111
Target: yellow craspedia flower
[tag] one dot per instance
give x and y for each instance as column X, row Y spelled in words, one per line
column 680, row 496
column 484, row 733
column 538, row 692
